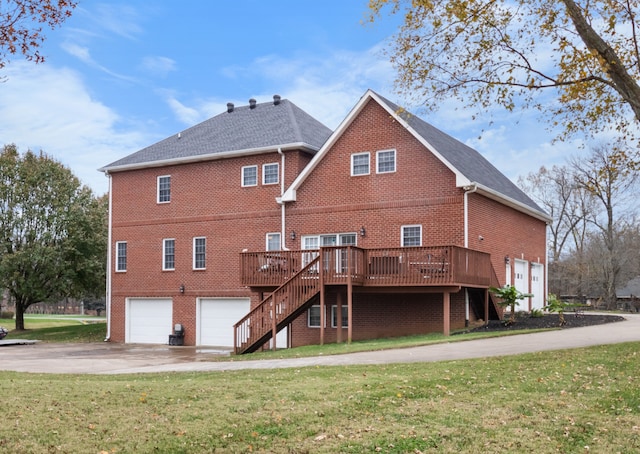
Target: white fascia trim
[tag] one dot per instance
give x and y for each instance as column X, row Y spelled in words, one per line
column 209, row 157
column 290, row 193
column 494, row 195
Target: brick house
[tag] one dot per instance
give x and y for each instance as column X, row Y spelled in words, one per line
column 260, row 227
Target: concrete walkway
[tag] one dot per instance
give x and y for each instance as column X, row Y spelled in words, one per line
column 110, row 358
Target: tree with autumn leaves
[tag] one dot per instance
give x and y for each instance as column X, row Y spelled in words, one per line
column 21, row 24
column 514, row 53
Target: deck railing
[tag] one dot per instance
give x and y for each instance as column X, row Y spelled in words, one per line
column 404, row 266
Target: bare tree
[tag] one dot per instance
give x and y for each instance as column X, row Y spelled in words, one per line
column 606, row 176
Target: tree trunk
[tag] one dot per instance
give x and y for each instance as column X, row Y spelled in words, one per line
column 621, row 80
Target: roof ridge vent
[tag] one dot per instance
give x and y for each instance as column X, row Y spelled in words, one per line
column 252, row 103
column 276, row 100
column 229, row 107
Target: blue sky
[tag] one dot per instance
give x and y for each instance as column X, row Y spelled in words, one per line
column 122, row 75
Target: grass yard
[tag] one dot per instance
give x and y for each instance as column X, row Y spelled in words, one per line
column 585, row 400
column 58, row 328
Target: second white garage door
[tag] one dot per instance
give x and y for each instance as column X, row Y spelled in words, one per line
column 215, row 319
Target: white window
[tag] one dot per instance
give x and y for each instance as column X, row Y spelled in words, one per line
column 199, row 253
column 164, row 189
column 250, row 176
column 411, row 235
column 121, row 256
column 271, row 173
column 360, row 164
column 313, row 316
column 273, row 241
column 169, row 254
column 345, row 316
column 386, row 161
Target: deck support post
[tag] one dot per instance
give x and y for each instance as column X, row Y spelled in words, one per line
column 274, row 323
column 322, row 297
column 339, row 317
column 446, row 306
column 486, row 307
column 349, row 311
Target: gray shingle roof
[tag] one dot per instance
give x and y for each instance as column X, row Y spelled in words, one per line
column 265, row 126
column 465, row 159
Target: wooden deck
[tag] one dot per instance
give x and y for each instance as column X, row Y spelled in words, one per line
column 294, row 280
column 385, row 267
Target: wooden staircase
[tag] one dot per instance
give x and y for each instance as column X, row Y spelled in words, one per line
column 278, row 309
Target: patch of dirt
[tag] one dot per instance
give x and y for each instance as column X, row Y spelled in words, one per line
column 524, row 321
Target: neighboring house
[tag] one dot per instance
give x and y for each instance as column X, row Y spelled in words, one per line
column 629, row 295
column 263, row 217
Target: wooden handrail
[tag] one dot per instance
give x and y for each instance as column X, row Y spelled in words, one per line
column 278, row 309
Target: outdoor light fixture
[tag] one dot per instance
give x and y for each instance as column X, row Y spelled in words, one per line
column 293, row 234
column 181, row 288
column 363, row 232
column 507, row 260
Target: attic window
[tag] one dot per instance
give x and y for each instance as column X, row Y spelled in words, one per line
column 386, row 161
column 360, row 164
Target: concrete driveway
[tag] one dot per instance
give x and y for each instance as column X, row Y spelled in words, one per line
column 108, row 358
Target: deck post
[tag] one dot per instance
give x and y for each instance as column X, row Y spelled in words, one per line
column 349, row 310
column 274, row 323
column 486, row 306
column 446, row 306
column 339, row 317
column 322, row 296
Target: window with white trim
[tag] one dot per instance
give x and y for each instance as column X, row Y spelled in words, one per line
column 164, row 189
column 249, row 176
column 273, row 241
column 345, row 316
column 199, row 253
column 360, row 164
column 271, row 173
column 121, row 256
column 168, row 254
column 411, row 235
column 386, row 161
column 313, row 316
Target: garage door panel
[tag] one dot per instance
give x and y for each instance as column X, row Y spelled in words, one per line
column 216, row 317
column 149, row 321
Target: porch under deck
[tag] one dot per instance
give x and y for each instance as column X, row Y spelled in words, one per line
column 297, row 279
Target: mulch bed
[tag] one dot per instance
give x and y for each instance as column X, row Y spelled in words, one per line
column 524, row 321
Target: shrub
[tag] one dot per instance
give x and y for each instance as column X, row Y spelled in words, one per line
column 7, row 314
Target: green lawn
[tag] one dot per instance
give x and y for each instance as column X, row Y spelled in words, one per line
column 56, row 328
column 575, row 401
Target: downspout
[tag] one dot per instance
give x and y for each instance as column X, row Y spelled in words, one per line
column 283, row 240
column 108, row 273
column 467, row 190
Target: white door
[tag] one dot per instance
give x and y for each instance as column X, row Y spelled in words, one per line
column 215, row 318
column 521, row 282
column 537, row 285
column 148, row 321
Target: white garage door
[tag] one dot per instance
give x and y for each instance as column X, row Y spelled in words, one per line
column 149, row 321
column 537, row 285
column 215, row 319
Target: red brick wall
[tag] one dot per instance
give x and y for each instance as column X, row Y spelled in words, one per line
column 207, row 200
column 506, row 232
column 421, row 191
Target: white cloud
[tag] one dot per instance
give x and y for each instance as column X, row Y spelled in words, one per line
column 50, row 109
column 158, row 66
